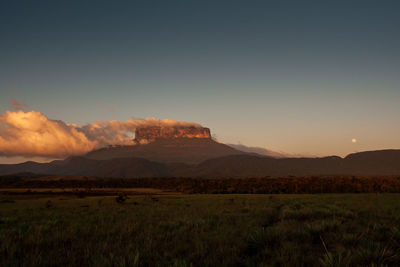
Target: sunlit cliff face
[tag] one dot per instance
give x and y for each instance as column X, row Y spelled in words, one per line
column 149, row 134
column 33, row 134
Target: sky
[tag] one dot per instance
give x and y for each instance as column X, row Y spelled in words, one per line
column 310, row 78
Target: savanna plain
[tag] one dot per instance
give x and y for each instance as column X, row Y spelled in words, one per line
column 200, row 230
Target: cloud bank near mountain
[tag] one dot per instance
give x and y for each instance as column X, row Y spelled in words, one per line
column 32, row 134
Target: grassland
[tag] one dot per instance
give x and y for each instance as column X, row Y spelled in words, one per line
column 201, row 230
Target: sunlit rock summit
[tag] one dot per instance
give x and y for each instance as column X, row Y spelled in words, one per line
column 152, row 133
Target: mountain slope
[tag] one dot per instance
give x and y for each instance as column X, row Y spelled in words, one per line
column 184, row 150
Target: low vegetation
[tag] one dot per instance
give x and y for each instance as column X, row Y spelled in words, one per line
column 267, row 185
column 200, row 230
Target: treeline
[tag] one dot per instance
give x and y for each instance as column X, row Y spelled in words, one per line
column 268, row 185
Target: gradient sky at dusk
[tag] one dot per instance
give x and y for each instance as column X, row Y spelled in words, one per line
column 284, row 75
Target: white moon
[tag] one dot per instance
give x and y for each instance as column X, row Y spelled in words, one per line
column 354, row 140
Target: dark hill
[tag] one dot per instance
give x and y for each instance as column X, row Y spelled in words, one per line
column 381, row 162
column 373, row 163
column 257, row 166
column 80, row 166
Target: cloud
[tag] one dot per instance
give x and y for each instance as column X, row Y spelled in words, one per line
column 267, row 152
column 110, row 109
column 33, row 134
column 259, row 150
column 18, row 105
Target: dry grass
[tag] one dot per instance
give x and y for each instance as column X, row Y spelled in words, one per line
column 201, row 230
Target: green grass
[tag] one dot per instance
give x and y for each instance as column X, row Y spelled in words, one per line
column 201, row 230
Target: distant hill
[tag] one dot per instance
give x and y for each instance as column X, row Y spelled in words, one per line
column 167, row 150
column 81, row 166
column 373, row 163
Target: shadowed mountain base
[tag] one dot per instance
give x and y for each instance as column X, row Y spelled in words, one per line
column 375, row 163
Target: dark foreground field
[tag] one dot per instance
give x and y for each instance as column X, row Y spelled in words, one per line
column 201, row 230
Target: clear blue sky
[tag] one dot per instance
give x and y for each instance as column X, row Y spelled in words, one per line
column 294, row 76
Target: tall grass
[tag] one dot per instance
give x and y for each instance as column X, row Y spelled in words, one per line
column 201, row 230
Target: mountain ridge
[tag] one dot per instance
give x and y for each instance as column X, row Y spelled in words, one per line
column 368, row 163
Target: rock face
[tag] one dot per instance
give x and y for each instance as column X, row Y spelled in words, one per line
column 149, row 134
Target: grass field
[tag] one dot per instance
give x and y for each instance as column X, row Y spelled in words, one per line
column 201, row 230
